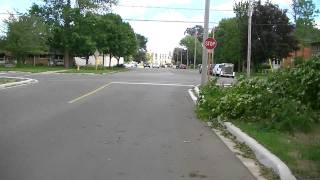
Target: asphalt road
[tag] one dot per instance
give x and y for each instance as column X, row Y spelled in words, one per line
column 83, row 127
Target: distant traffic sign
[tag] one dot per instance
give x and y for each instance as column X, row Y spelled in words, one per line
column 210, row 43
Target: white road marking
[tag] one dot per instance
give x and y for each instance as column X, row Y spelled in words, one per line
column 153, row 84
column 126, row 83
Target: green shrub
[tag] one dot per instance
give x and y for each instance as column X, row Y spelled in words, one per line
column 287, row 100
column 298, row 60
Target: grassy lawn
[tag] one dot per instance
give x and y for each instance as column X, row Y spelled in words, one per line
column 7, row 80
column 301, row 152
column 31, row 69
column 94, row 71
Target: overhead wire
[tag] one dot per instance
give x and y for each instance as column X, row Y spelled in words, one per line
column 170, row 8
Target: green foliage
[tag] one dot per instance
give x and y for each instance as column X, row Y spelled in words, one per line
column 298, row 60
column 197, row 30
column 141, row 54
column 286, row 100
column 189, row 42
column 272, row 33
column 300, row 152
column 26, row 35
column 228, row 37
column 304, row 14
column 66, row 24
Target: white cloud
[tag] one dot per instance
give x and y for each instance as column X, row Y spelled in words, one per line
column 164, row 36
column 128, row 11
column 4, row 9
column 154, row 3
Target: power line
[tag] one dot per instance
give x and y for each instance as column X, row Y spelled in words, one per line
column 7, row 13
column 196, row 22
column 167, row 21
column 172, row 8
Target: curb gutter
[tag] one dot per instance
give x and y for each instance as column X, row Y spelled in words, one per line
column 263, row 155
column 24, row 81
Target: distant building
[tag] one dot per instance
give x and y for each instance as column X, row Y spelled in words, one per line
column 305, row 52
column 92, row 61
column 161, row 58
column 55, row 59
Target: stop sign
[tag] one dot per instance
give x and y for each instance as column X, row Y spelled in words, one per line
column 210, row 43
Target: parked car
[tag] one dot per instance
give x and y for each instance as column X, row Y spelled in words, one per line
column 210, row 68
column 217, row 69
column 130, row 65
column 182, row 66
column 155, row 66
column 58, row 62
column 146, row 65
column 224, row 69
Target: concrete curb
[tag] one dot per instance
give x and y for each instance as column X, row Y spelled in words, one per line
column 263, row 155
column 24, row 81
column 193, row 97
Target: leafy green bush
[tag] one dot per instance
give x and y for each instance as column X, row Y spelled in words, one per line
column 298, row 61
column 286, row 100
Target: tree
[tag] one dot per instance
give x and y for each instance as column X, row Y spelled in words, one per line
column 189, row 42
column 83, row 35
column 241, row 11
column 229, row 43
column 126, row 41
column 197, row 30
column 59, row 15
column 304, row 13
column 272, row 33
column 95, row 5
column 141, row 54
column 26, row 35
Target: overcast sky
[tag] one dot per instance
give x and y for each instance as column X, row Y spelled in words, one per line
column 162, row 36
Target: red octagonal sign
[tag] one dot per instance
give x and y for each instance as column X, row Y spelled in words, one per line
column 210, row 43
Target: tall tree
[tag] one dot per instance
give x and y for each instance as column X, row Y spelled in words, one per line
column 95, row 5
column 83, row 34
column 229, row 47
column 304, row 13
column 189, row 42
column 241, row 11
column 126, row 41
column 105, row 35
column 26, row 35
column 141, row 54
column 272, row 34
column 59, row 14
column 197, row 30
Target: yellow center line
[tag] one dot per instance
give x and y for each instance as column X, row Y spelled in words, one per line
column 90, row 93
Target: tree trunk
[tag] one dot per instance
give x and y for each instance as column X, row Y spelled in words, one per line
column 66, row 58
column 243, row 66
column 110, row 60
column 102, row 59
column 118, row 61
column 87, row 60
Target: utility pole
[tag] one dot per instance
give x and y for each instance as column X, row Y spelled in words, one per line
column 213, row 30
column 187, row 58
column 204, row 50
column 181, row 56
column 195, row 50
column 249, row 39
